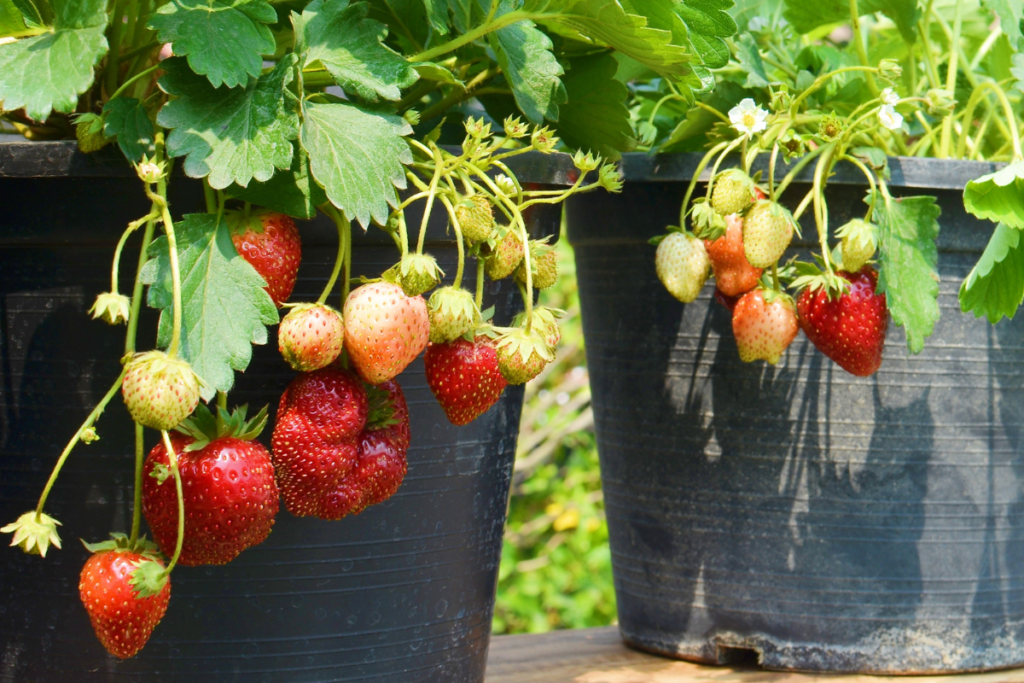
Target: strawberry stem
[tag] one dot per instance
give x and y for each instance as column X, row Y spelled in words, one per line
column 799, row 166
column 139, row 462
column 458, row 241
column 132, row 227
column 347, row 282
column 718, row 162
column 342, row 224
column 160, row 200
column 173, row 458
column 479, row 285
column 696, row 176
column 431, row 193
column 222, row 400
column 133, row 317
column 89, row 421
column 775, row 277
column 820, row 207
column 871, row 182
column 209, row 196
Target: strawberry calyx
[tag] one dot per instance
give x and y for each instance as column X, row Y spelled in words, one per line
column 34, row 532
column 239, row 223
column 416, row 273
column 120, row 543
column 204, row 427
column 812, row 277
column 707, row 223
column 669, row 229
column 150, row 575
column 381, row 408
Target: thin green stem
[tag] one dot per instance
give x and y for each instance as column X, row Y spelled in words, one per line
column 115, row 268
column 858, row 40
column 173, row 458
column 347, row 282
column 140, row 459
column 1011, row 118
column 693, row 181
column 821, row 171
column 793, row 172
column 89, row 421
column 871, row 181
column 116, row 26
column 776, row 285
column 954, row 55
column 458, row 95
column 210, row 195
column 222, row 400
column 432, row 191
column 133, row 316
column 470, row 36
column 718, row 162
column 479, row 285
column 343, row 225
column 821, row 80
column 458, row 242
column 134, row 78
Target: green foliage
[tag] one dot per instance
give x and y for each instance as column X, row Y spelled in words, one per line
column 128, row 120
column 998, row 196
column 293, row 192
column 223, row 39
column 595, row 116
column 224, row 306
column 49, row 71
column 995, row 286
column 524, row 54
column 231, row 135
column 907, row 273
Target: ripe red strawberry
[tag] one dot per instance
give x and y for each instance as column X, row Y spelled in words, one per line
column 384, row 330
column 464, row 377
column 733, row 273
column 123, row 620
column 849, row 329
column 270, row 242
column 382, row 464
column 227, row 482
column 764, row 324
column 682, row 265
column 315, row 437
column 767, row 231
column 159, row 391
column 311, row 337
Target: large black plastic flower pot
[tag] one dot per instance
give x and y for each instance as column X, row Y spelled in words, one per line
column 796, row 515
column 402, row 593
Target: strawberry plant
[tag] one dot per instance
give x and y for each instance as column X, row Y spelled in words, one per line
column 284, row 110
column 814, row 85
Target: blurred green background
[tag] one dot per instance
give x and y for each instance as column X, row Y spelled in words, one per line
column 555, row 566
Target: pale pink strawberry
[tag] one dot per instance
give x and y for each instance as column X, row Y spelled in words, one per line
column 384, row 330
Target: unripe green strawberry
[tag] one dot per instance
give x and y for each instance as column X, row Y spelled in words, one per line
column 159, row 391
column 506, row 256
column 543, row 263
column 683, row 265
column 311, row 337
column 89, row 131
column 733, row 192
column 453, row 313
column 545, row 320
column 767, row 232
column 418, row 273
column 860, row 240
column 522, row 355
column 476, row 218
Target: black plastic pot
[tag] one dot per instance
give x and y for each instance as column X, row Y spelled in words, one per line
column 795, row 515
column 402, row 593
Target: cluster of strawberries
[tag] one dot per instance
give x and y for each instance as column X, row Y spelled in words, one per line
column 738, row 236
column 341, row 433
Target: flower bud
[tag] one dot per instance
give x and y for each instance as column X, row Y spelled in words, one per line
column 890, row 69
column 940, row 102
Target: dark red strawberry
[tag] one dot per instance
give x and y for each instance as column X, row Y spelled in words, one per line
column 315, row 441
column 382, row 463
column 227, row 479
column 849, row 329
column 464, row 377
column 122, row 617
column 270, row 242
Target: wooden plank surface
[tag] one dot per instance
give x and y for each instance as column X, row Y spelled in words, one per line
column 598, row 656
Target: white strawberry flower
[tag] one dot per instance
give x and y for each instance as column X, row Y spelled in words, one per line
column 890, row 97
column 890, row 118
column 748, row 118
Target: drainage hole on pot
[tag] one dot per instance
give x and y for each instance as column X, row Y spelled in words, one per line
column 739, row 657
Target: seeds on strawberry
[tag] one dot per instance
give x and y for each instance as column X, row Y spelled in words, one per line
column 849, row 329
column 159, row 391
column 476, row 218
column 464, row 377
column 543, row 265
column 311, row 337
column 418, row 273
column 764, row 325
column 683, row 265
column 733, row 273
column 522, row 355
column 270, row 243
column 384, row 330
column 123, row 621
column 733, row 192
column 506, row 256
column 767, row 232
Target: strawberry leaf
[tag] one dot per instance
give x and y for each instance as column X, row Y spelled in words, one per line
column 12, row 19
column 339, row 36
column 231, row 135
column 224, row 306
column 225, row 40
column 1011, row 17
column 998, row 196
column 907, row 258
column 357, row 156
column 49, row 71
column 595, row 117
column 806, row 16
column 525, row 56
column 444, row 13
column 709, row 23
column 293, row 191
column 128, row 120
column 995, row 286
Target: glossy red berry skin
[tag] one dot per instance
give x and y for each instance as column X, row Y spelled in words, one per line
column 231, row 499
column 274, row 252
column 464, row 377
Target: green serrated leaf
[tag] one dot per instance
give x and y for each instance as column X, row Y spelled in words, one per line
column 806, row 16
column 907, row 258
column 357, row 156
column 446, row 13
column 349, row 45
column 595, row 117
column 1017, row 70
column 688, row 135
column 406, row 21
column 129, row 121
column 224, row 306
column 709, row 23
column 750, row 60
column 293, row 191
column 995, row 286
column 530, row 67
column 231, row 135
column 224, row 40
column 49, row 71
column 998, row 196
column 12, row 20
column 438, row 74
column 1011, row 14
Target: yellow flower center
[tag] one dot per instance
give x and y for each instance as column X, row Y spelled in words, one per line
column 749, row 119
